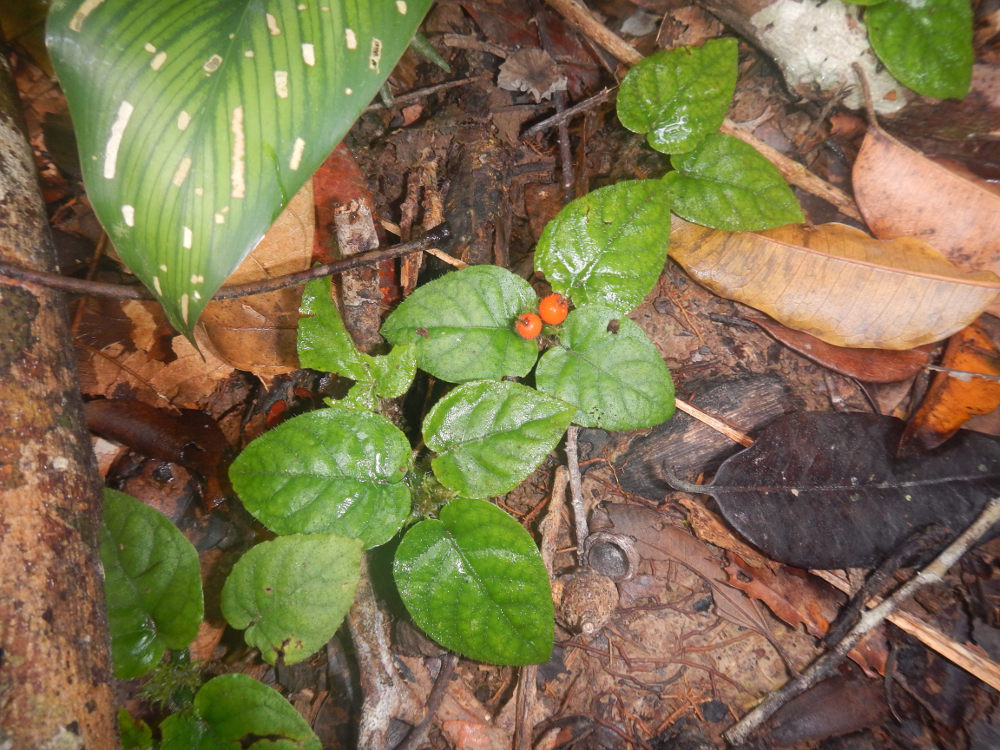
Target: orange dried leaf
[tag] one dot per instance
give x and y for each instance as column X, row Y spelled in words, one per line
column 952, row 398
column 837, row 283
column 903, row 193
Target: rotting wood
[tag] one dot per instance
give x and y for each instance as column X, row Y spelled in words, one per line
column 55, row 664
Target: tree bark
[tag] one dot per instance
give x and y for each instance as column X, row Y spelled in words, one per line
column 55, row 676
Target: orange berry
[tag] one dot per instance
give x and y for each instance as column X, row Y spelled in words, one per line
column 553, row 309
column 529, row 325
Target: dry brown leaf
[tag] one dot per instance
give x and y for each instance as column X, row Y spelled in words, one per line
column 837, row 283
column 903, row 193
column 257, row 333
column 185, row 380
column 951, row 398
column 869, row 365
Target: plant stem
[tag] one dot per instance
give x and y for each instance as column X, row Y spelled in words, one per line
column 576, row 493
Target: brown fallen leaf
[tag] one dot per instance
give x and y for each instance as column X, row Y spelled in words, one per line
column 869, row 365
column 837, row 283
column 952, row 398
column 901, row 192
column 257, row 333
column 803, row 602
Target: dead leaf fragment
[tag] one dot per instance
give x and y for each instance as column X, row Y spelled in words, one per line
column 952, row 399
column 837, row 283
column 257, row 333
column 869, row 365
column 532, row 70
column 903, row 193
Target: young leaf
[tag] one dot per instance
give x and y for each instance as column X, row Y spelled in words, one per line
column 135, row 733
column 333, row 470
column 726, row 184
column 323, row 342
column 325, row 345
column 152, row 584
column 609, row 246
column 463, row 325
column 474, row 581
column 291, row 594
column 927, row 45
column 679, row 96
column 234, row 710
column 195, row 119
column 608, row 369
column 490, row 435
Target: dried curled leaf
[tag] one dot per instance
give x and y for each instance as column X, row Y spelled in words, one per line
column 903, row 193
column 837, row 283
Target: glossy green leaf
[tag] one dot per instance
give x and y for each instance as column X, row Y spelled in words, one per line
column 333, row 470
column 135, row 733
column 726, row 184
column 234, row 711
column 325, row 345
column 291, row 594
column 198, row 120
column 322, row 341
column 609, row 246
column 463, row 325
column 490, row 435
column 925, row 44
column 475, row 583
column 609, row 369
column 677, row 97
column 152, row 584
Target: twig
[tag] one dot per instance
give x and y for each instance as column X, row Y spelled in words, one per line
column 570, row 112
column 576, row 492
column 423, row 93
column 559, row 99
column 415, row 737
column 235, row 291
column 824, row 665
column 796, row 173
column 715, row 423
column 577, row 14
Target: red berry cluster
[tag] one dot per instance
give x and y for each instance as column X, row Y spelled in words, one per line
column 552, row 309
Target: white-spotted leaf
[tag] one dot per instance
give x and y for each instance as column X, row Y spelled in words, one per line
column 474, row 581
column 198, row 120
column 291, row 594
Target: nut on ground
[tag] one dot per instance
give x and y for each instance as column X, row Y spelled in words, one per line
column 589, row 600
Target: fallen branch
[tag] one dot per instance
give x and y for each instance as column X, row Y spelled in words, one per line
column 827, row 663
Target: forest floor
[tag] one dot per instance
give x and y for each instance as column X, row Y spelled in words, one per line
column 704, row 626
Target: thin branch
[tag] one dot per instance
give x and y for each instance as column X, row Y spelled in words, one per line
column 827, row 663
column 578, row 15
column 576, row 492
column 416, row 736
column 235, row 291
column 570, row 112
column 715, row 423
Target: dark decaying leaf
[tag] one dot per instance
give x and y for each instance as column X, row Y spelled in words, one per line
column 824, row 490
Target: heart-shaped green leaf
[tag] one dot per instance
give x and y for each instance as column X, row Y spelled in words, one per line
column 475, row 583
column 609, row 369
column 152, row 584
column 927, row 45
column 333, row 470
column 463, row 325
column 198, row 120
column 609, row 246
column 291, row 594
column 490, row 435
column 234, row 711
column 726, row 184
column 679, row 96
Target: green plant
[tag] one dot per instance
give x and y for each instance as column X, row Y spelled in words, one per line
column 926, row 45
column 343, row 479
